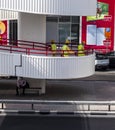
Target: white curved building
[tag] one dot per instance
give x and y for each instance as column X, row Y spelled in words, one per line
column 41, row 21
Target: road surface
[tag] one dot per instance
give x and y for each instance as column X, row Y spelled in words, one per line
column 100, row 86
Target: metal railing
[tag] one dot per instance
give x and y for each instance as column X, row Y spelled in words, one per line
column 36, row 48
column 108, row 106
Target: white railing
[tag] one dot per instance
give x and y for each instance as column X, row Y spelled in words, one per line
column 108, row 106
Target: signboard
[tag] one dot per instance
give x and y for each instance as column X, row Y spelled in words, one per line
column 3, row 32
column 98, row 31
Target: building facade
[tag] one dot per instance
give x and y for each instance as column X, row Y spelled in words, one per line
column 59, row 23
column 41, row 21
column 59, row 19
column 98, row 31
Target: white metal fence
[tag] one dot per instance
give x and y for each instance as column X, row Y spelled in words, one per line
column 108, row 106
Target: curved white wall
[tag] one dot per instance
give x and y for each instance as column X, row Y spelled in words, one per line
column 52, row 7
column 41, row 67
column 8, row 61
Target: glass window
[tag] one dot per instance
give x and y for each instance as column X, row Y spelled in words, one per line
column 64, row 32
column 75, row 19
column 13, row 31
column 67, row 27
column 52, row 19
column 74, row 32
column 64, row 19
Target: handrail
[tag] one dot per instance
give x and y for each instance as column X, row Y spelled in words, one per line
column 27, row 44
column 37, row 51
column 36, row 48
column 90, row 104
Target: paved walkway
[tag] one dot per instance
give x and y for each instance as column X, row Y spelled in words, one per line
column 99, row 87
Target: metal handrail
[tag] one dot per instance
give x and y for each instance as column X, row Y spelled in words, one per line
column 30, row 47
column 32, row 103
column 38, row 51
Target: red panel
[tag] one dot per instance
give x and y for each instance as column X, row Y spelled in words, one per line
column 3, row 32
column 107, row 24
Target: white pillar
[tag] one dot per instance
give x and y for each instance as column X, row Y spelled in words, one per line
column 37, row 83
column 32, row 27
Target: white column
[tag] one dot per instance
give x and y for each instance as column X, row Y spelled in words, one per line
column 37, row 83
column 32, row 27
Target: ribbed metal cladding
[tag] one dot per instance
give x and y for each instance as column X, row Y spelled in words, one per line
column 5, row 15
column 52, row 7
column 56, row 67
column 39, row 67
column 8, row 62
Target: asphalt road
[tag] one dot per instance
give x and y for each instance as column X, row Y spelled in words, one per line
column 45, row 122
column 99, row 87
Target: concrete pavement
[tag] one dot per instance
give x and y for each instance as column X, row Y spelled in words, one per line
column 99, row 87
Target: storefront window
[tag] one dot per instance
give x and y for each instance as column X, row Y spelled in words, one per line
column 13, row 32
column 64, row 19
column 65, row 27
column 64, row 32
column 75, row 19
column 75, row 33
column 52, row 19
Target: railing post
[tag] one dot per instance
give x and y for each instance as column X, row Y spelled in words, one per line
column 33, row 45
column 32, row 106
column 88, row 107
column 28, row 51
column 109, row 107
column 2, row 105
column 10, row 49
column 46, row 50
